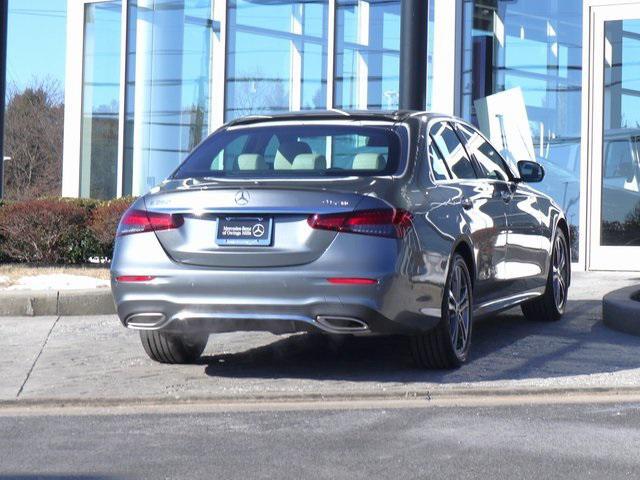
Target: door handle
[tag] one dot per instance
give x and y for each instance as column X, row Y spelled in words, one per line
column 466, row 203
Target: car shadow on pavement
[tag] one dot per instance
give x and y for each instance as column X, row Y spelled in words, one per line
column 505, row 347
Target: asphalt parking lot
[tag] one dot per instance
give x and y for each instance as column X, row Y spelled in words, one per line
column 523, row 442
column 88, row 358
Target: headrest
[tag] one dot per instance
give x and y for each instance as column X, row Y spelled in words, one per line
column 250, row 161
column 309, row 161
column 287, row 152
column 368, row 161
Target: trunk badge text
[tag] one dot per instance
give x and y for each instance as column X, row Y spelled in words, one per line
column 335, row 203
column 242, row 197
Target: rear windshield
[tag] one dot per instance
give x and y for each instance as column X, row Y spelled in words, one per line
column 295, row 150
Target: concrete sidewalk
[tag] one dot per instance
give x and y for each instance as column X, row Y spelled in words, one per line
column 95, row 359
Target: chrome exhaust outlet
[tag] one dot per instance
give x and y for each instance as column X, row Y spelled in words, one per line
column 145, row 321
column 341, row 324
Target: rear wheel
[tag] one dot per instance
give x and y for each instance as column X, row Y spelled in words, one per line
column 551, row 305
column 447, row 345
column 173, row 348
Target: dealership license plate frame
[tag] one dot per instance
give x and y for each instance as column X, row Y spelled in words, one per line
column 244, row 240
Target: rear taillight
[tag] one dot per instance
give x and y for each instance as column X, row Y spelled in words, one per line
column 352, row 281
column 134, row 278
column 139, row 221
column 392, row 223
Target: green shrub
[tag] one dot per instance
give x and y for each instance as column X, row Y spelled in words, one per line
column 56, row 231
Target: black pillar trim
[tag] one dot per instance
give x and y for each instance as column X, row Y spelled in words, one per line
column 4, row 7
column 413, row 54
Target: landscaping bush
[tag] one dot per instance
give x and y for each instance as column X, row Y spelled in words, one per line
column 56, row 231
column 103, row 223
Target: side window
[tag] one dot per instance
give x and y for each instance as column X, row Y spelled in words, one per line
column 452, row 151
column 438, row 167
column 491, row 163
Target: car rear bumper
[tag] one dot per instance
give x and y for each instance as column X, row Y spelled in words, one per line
column 282, row 303
column 183, row 297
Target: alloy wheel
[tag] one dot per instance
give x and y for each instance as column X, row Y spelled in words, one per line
column 560, row 273
column 459, row 309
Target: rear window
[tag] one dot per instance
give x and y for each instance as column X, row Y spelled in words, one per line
column 296, row 151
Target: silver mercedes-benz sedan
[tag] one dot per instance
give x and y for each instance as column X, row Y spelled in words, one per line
column 406, row 223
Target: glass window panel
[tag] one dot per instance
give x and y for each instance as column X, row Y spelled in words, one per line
column 100, row 100
column 258, row 86
column 430, row 48
column 530, row 50
column 491, row 164
column 315, row 19
column 367, row 54
column 168, row 87
column 453, row 152
column 276, row 56
column 274, row 15
column 620, row 221
column 314, row 85
column 438, row 167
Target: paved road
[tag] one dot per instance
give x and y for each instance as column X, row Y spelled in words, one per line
column 524, row 442
column 95, row 358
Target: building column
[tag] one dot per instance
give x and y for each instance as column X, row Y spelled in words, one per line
column 413, row 54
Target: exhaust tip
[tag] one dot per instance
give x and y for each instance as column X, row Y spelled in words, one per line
column 145, row 321
column 339, row 324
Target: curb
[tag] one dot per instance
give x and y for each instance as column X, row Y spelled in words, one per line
column 443, row 396
column 33, row 303
column 620, row 311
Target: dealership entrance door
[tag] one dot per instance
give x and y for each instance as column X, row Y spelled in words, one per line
column 613, row 210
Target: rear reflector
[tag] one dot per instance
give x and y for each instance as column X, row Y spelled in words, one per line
column 134, row 278
column 139, row 221
column 389, row 222
column 352, row 281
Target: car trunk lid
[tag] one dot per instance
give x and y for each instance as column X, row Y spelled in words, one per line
column 291, row 241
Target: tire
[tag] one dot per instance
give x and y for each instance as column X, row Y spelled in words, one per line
column 173, row 348
column 551, row 305
column 446, row 346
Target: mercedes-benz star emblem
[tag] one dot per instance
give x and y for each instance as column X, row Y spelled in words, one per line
column 242, row 197
column 258, row 230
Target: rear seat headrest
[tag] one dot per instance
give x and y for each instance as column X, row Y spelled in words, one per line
column 368, row 161
column 309, row 161
column 287, row 152
column 250, row 161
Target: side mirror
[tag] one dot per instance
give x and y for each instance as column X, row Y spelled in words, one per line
column 530, row 172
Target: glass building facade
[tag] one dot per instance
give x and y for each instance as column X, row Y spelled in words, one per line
column 154, row 77
column 159, row 75
column 531, row 51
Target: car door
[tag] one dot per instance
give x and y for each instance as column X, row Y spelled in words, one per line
column 526, row 256
column 483, row 213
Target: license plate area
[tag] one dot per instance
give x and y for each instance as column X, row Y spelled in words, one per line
column 238, row 231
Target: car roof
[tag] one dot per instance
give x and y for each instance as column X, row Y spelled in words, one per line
column 383, row 115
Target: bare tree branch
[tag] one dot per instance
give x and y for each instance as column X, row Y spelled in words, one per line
column 34, row 131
